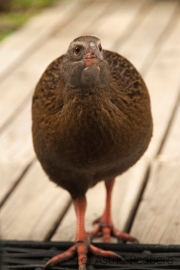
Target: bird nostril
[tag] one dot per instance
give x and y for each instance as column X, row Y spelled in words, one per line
column 92, row 53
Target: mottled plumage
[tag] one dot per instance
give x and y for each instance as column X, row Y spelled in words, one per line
column 91, row 117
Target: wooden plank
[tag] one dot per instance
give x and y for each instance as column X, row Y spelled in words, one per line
column 127, row 18
column 129, row 185
column 139, row 44
column 171, row 147
column 33, row 208
column 18, row 86
column 16, row 150
column 36, row 31
column 157, row 219
column 163, row 81
column 123, row 12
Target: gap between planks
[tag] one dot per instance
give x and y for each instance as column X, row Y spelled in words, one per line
column 157, row 219
column 162, row 195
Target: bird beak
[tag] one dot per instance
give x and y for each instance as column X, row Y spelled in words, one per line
column 93, row 56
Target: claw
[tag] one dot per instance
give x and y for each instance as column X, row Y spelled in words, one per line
column 105, row 253
column 107, row 229
column 61, row 257
column 124, row 236
column 81, row 248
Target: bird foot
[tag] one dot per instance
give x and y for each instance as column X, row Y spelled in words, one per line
column 107, row 229
column 61, row 257
column 81, row 248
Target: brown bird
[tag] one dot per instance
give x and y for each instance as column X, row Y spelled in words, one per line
column 91, row 122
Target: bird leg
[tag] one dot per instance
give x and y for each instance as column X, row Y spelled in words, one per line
column 105, row 224
column 82, row 242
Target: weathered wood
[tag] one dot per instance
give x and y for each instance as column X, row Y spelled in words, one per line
column 163, row 81
column 33, row 208
column 119, row 17
column 148, row 32
column 157, row 219
column 171, row 147
column 16, row 150
column 129, row 185
column 19, row 46
column 164, row 94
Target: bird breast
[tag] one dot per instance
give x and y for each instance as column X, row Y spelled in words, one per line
column 90, row 130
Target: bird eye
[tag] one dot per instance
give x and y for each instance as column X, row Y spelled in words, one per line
column 100, row 47
column 77, row 50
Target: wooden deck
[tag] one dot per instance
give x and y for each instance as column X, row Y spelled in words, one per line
column 146, row 199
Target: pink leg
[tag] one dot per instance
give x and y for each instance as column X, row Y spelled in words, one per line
column 82, row 242
column 106, row 226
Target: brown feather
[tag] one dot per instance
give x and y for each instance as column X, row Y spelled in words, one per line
column 83, row 134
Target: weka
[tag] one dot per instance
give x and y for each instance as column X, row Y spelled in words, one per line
column 91, row 122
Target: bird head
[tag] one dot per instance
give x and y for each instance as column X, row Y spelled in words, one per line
column 87, row 49
column 84, row 63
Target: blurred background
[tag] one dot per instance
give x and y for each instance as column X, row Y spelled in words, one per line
column 14, row 13
column 146, row 199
